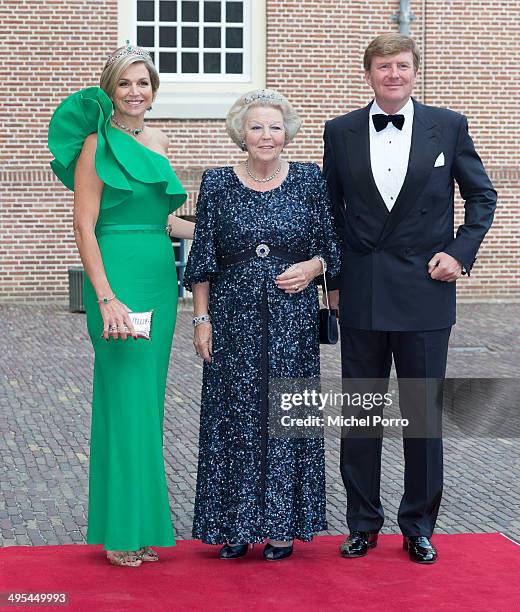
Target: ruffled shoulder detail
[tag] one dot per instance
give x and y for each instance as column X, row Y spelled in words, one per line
column 118, row 155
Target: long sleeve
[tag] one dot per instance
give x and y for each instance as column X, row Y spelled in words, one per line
column 325, row 240
column 480, row 200
column 202, row 260
column 336, row 196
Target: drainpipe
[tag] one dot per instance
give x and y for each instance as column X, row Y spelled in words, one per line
column 404, row 17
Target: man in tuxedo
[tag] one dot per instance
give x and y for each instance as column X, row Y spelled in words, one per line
column 391, row 168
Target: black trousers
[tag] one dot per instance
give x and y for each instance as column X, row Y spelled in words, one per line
column 417, row 355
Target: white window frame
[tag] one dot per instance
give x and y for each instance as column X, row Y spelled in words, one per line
column 205, row 96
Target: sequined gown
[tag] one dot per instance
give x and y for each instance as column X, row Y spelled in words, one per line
column 249, row 486
column 128, row 497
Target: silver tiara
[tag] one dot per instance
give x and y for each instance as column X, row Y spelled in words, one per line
column 129, row 50
column 263, row 94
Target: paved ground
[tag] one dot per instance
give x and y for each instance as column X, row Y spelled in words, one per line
column 45, row 390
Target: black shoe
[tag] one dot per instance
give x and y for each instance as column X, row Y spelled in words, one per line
column 420, row 549
column 233, row 552
column 358, row 544
column 275, row 553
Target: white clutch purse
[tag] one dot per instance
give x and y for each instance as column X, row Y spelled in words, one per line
column 142, row 322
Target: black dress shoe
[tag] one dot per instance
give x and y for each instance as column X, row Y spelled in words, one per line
column 420, row 549
column 233, row 552
column 276, row 553
column 358, row 544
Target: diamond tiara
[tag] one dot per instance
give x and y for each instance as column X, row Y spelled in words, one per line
column 129, row 50
column 263, row 94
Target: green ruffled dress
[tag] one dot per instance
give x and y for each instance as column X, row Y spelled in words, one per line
column 128, row 497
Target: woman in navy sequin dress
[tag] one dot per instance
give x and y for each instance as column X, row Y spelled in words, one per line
column 264, row 325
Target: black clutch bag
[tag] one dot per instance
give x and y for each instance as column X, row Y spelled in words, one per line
column 328, row 319
column 328, row 326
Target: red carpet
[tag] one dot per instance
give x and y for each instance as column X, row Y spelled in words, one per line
column 477, row 572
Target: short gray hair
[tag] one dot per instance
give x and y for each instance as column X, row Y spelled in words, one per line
column 236, row 118
column 119, row 61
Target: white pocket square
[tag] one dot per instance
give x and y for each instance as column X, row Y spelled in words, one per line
column 439, row 161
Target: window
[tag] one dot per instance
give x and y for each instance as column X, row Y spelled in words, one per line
column 207, row 51
column 193, row 40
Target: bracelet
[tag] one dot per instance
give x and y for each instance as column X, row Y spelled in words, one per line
column 105, row 300
column 205, row 318
column 323, row 262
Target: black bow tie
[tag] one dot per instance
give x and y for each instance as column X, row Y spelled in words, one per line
column 381, row 121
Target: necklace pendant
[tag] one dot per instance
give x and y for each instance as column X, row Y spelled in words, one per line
column 133, row 131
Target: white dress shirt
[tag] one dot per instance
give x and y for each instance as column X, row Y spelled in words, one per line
column 389, row 153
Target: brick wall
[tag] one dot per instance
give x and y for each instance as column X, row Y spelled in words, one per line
column 314, row 57
column 57, row 47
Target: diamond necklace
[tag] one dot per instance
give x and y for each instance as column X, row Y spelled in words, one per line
column 135, row 131
column 262, row 180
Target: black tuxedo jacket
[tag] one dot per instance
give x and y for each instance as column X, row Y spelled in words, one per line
column 384, row 278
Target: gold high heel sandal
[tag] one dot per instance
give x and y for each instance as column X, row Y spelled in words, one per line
column 123, row 558
column 147, row 554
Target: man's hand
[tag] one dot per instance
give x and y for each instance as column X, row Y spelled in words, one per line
column 333, row 299
column 444, row 267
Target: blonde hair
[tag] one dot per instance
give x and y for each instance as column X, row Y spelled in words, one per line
column 236, row 117
column 114, row 68
column 391, row 44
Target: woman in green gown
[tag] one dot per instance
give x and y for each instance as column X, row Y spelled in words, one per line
column 124, row 193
